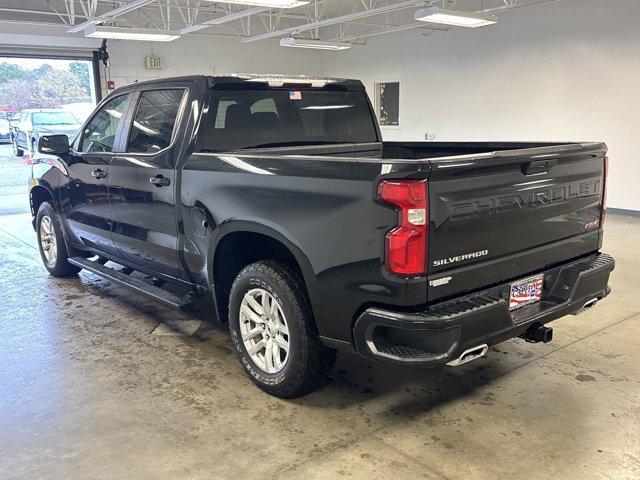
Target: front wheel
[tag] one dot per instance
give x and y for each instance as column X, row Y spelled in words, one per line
column 53, row 249
column 273, row 331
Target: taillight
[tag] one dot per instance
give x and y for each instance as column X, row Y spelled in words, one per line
column 406, row 245
column 603, row 207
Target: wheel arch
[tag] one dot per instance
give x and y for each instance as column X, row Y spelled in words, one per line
column 239, row 243
column 38, row 193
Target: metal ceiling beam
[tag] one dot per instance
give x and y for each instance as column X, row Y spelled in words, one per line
column 127, row 8
column 311, row 21
column 390, row 30
column 32, row 12
column 224, row 19
column 505, row 8
column 332, row 21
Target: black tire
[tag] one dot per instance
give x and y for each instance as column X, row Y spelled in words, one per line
column 16, row 150
column 308, row 360
column 59, row 267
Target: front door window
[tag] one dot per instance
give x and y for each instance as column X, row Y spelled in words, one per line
column 100, row 133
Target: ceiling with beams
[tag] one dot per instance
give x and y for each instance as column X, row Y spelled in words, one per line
column 352, row 21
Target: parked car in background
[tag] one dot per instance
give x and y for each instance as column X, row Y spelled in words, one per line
column 5, row 131
column 36, row 122
column 80, row 110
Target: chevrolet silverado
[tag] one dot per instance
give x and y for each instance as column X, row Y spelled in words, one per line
column 277, row 198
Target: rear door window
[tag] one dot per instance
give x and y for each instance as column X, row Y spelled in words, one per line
column 154, row 120
column 274, row 117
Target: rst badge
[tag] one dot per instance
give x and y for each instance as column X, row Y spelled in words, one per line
column 592, row 224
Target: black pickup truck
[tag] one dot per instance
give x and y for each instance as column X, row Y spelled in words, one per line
column 277, row 198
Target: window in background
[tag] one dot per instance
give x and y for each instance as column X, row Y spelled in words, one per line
column 387, row 101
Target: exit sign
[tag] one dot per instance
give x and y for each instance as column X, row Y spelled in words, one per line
column 154, row 63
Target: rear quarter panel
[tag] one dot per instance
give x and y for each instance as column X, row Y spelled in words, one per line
column 322, row 209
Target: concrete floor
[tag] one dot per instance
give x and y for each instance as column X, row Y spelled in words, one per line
column 14, row 175
column 97, row 382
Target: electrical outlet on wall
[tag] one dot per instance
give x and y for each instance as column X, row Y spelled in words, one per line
column 429, row 136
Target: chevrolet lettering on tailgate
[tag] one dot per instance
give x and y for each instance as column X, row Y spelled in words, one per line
column 521, row 201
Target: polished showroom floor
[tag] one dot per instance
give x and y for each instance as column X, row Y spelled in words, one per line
column 97, row 382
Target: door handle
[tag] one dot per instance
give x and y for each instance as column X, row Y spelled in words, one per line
column 99, row 174
column 159, row 181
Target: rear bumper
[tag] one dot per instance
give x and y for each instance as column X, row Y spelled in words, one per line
column 442, row 331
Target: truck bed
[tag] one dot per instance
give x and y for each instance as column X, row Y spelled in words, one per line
column 497, row 210
column 390, row 151
column 422, row 150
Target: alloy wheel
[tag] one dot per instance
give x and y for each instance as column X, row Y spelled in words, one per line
column 48, row 240
column 264, row 330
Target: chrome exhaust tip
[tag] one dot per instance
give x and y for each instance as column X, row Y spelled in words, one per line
column 469, row 355
column 588, row 305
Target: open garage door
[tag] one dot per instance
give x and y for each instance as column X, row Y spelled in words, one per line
column 39, row 94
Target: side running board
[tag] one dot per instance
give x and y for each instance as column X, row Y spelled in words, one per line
column 124, row 277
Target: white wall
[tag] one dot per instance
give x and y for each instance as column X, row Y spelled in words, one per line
column 565, row 71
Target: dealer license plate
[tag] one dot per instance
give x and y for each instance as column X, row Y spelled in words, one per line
column 525, row 292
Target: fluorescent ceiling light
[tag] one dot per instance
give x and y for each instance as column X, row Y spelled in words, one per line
column 121, row 33
column 317, row 44
column 454, row 17
column 267, row 3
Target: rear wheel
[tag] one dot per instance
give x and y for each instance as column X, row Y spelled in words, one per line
column 273, row 331
column 16, row 150
column 53, row 249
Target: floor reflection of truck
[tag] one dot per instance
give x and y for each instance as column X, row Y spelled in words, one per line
column 36, row 122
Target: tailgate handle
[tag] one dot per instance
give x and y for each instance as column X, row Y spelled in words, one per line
column 537, row 168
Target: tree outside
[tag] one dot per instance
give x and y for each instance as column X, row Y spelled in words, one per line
column 44, row 86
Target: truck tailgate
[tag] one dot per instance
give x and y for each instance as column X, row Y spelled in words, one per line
column 507, row 214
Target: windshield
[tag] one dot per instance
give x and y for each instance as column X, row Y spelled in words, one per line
column 239, row 119
column 54, row 118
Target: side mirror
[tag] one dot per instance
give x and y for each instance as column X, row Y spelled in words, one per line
column 53, row 144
